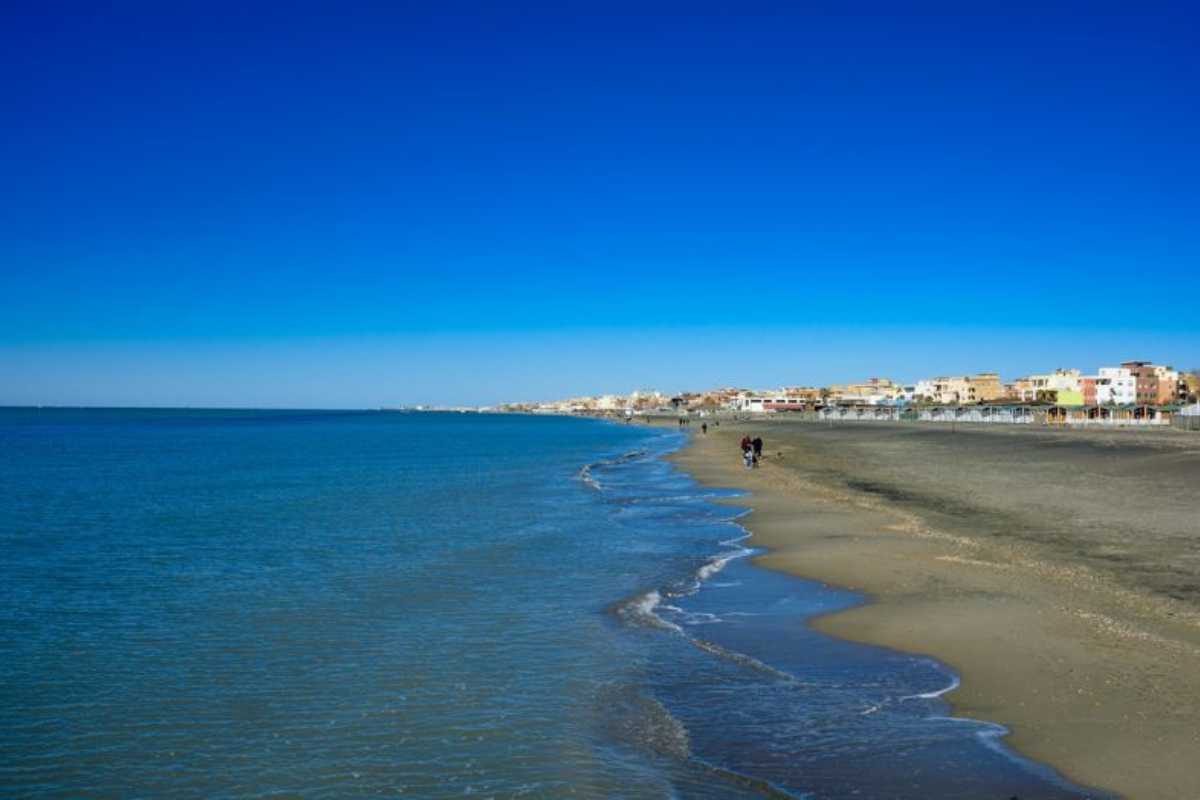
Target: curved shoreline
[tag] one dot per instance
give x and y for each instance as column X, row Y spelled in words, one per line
column 1084, row 679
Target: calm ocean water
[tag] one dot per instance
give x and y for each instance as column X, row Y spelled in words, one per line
column 263, row 604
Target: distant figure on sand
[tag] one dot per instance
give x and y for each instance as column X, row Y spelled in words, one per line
column 748, row 458
column 704, row 427
column 746, row 443
column 758, row 444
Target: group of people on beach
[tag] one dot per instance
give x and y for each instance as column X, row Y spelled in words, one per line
column 751, row 451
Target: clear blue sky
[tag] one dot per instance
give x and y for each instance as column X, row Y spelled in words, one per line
column 336, row 205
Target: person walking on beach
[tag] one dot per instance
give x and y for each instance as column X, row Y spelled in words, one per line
column 745, row 443
column 704, row 427
column 748, row 458
column 758, row 445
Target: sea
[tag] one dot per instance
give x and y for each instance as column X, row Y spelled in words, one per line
column 268, row 604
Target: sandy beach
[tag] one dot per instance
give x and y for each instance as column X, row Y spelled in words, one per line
column 1056, row 571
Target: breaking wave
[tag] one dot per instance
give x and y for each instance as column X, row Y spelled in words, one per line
column 585, row 472
column 640, row 610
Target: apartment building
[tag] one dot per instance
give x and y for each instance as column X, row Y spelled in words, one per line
column 960, row 390
column 808, row 394
column 1156, row 385
column 1189, row 387
column 1045, row 388
column 1115, row 386
column 985, row 387
column 873, row 391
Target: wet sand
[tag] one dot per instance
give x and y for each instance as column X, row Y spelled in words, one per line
column 1057, row 572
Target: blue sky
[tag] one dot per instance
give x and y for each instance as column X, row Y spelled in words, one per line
column 340, row 206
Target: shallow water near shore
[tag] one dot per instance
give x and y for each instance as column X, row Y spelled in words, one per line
column 233, row 603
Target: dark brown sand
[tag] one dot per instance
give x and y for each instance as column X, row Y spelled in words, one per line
column 1057, row 571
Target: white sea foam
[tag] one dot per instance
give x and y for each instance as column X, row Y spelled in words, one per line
column 954, row 684
column 711, row 568
column 740, row 538
column 585, row 475
column 640, row 611
column 719, row 562
column 986, row 728
column 585, row 472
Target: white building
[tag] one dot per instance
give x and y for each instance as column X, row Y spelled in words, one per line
column 610, row 402
column 766, row 402
column 925, row 391
column 1116, row 386
column 748, row 402
column 752, row 403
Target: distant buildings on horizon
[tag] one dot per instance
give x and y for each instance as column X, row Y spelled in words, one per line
column 1132, row 384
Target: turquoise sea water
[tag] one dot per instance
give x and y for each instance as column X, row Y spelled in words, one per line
column 269, row 604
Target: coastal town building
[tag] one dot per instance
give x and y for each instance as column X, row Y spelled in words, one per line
column 1063, row 397
column 749, row 402
column 1168, row 383
column 1190, row 387
column 764, row 402
column 1046, row 388
column 1156, row 385
column 1018, row 390
column 980, row 388
column 985, row 387
column 789, row 398
column 1088, row 387
column 935, row 390
column 872, row 392
column 609, row 402
column 647, row 400
column 715, row 399
column 1114, row 386
column 808, row 394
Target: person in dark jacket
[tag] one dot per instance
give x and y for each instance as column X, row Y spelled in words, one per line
column 758, row 445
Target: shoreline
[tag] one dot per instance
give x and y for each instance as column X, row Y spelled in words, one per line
column 1092, row 676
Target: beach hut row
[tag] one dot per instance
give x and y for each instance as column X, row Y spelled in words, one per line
column 1108, row 415
column 1004, row 414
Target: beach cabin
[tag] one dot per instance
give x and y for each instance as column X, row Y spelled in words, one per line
column 1104, row 416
